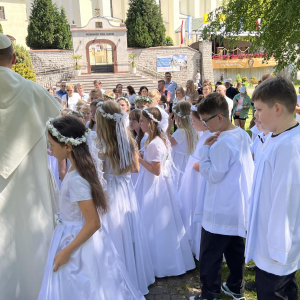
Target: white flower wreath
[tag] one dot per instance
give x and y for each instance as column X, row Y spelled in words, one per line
column 178, row 113
column 150, row 115
column 143, row 98
column 104, row 114
column 123, row 98
column 108, row 96
column 63, row 139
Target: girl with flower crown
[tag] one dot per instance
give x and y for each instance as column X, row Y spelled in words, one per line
column 190, row 186
column 142, row 102
column 170, row 251
column 183, row 140
column 123, row 221
column 124, row 103
column 82, row 261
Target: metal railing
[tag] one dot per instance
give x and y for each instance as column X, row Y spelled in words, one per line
column 150, row 71
column 54, row 70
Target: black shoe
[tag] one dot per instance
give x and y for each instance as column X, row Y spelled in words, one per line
column 251, row 286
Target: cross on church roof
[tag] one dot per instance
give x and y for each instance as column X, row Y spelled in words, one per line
column 97, row 12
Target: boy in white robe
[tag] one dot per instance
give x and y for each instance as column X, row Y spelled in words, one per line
column 273, row 237
column 227, row 167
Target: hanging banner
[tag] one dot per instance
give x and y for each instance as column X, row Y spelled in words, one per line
column 242, row 63
column 171, row 63
column 189, row 27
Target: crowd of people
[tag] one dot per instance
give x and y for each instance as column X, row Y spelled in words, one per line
column 142, row 187
column 179, row 181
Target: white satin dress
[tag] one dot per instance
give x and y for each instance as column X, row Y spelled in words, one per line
column 94, row 271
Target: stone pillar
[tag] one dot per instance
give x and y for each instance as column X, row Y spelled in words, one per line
column 207, row 71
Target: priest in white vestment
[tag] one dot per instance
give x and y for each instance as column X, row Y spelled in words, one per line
column 26, row 219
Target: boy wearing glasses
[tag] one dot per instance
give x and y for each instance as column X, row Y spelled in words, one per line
column 227, row 168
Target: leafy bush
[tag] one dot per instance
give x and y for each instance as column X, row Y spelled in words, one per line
column 145, row 24
column 169, row 40
column 1, row 29
column 244, row 78
column 253, row 80
column 24, row 71
column 238, row 78
column 23, row 56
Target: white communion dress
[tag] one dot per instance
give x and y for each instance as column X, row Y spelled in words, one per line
column 188, row 195
column 125, row 227
column 180, row 154
column 94, row 271
column 169, row 247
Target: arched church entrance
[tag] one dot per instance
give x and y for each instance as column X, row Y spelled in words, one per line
column 101, row 56
column 102, row 46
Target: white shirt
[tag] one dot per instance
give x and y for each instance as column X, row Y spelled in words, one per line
column 185, row 98
column 257, row 145
column 255, row 132
column 230, row 105
column 181, row 138
column 131, row 98
column 298, row 102
column 71, row 100
column 227, row 168
column 273, row 237
column 165, row 119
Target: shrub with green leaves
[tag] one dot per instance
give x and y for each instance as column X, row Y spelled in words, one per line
column 24, row 71
column 253, row 80
column 238, row 78
column 244, row 78
column 22, row 55
column 145, row 24
column 1, row 29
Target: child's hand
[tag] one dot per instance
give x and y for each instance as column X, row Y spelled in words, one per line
column 196, row 167
column 61, row 258
column 211, row 140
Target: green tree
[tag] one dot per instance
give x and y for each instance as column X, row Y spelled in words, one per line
column 62, row 33
column 277, row 33
column 145, row 24
column 48, row 27
column 1, row 29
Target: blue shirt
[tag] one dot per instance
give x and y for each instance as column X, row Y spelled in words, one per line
column 172, row 86
column 60, row 93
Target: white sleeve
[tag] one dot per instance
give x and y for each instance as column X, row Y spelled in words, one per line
column 285, row 192
column 64, row 99
column 153, row 153
column 80, row 190
column 179, row 135
column 215, row 162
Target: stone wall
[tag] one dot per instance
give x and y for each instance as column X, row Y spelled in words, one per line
column 207, row 71
column 147, row 58
column 52, row 66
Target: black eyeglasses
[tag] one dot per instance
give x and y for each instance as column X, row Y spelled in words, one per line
column 205, row 121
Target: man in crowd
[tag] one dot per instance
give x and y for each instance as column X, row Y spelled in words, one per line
column 26, row 214
column 62, row 90
column 230, row 90
column 170, row 85
column 98, row 85
column 161, row 86
column 83, row 96
column 221, row 89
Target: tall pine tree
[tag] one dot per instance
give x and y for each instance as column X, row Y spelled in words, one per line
column 144, row 24
column 48, row 27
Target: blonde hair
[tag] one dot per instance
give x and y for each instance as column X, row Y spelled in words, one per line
column 154, row 94
column 79, row 85
column 70, row 85
column 109, row 93
column 96, row 92
column 65, row 111
column 106, row 131
column 80, row 103
column 136, row 114
column 153, row 130
column 184, row 109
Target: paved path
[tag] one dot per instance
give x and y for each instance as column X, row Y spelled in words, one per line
column 183, row 287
